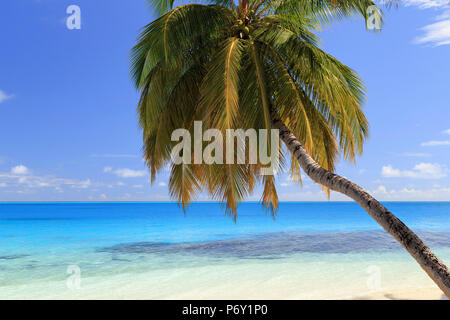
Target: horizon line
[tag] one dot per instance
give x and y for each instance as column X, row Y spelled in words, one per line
column 215, row 202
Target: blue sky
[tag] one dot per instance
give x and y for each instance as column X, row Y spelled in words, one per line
column 68, row 127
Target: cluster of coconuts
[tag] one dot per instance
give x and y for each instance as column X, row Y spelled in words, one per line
column 241, row 27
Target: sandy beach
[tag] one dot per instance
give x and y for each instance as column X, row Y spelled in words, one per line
column 349, row 276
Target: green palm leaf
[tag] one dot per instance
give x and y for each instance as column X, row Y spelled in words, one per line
column 231, row 67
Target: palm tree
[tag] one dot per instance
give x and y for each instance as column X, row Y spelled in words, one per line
column 258, row 65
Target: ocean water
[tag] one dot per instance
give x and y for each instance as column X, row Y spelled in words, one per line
column 311, row 250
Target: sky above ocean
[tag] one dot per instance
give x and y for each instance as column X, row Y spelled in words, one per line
column 68, row 126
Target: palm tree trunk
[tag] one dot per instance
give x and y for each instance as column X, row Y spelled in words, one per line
column 432, row 265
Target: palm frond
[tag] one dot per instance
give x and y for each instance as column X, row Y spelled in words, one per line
column 269, row 196
column 175, row 36
column 323, row 11
column 231, row 67
column 220, row 86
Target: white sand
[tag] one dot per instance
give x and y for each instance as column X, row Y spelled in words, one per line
column 339, row 277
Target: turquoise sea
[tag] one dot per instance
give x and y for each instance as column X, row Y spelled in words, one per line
column 311, row 250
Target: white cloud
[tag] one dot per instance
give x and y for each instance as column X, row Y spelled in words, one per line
column 125, row 172
column 380, row 190
column 437, row 34
column 162, row 184
column 289, row 180
column 446, row 131
column 20, row 170
column 4, row 96
column 129, row 173
column 2, row 185
column 20, row 176
column 426, row 4
column 82, row 184
column 413, row 194
column 444, row 15
column 388, row 171
column 103, row 196
column 382, row 193
column 435, row 143
column 421, row 171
